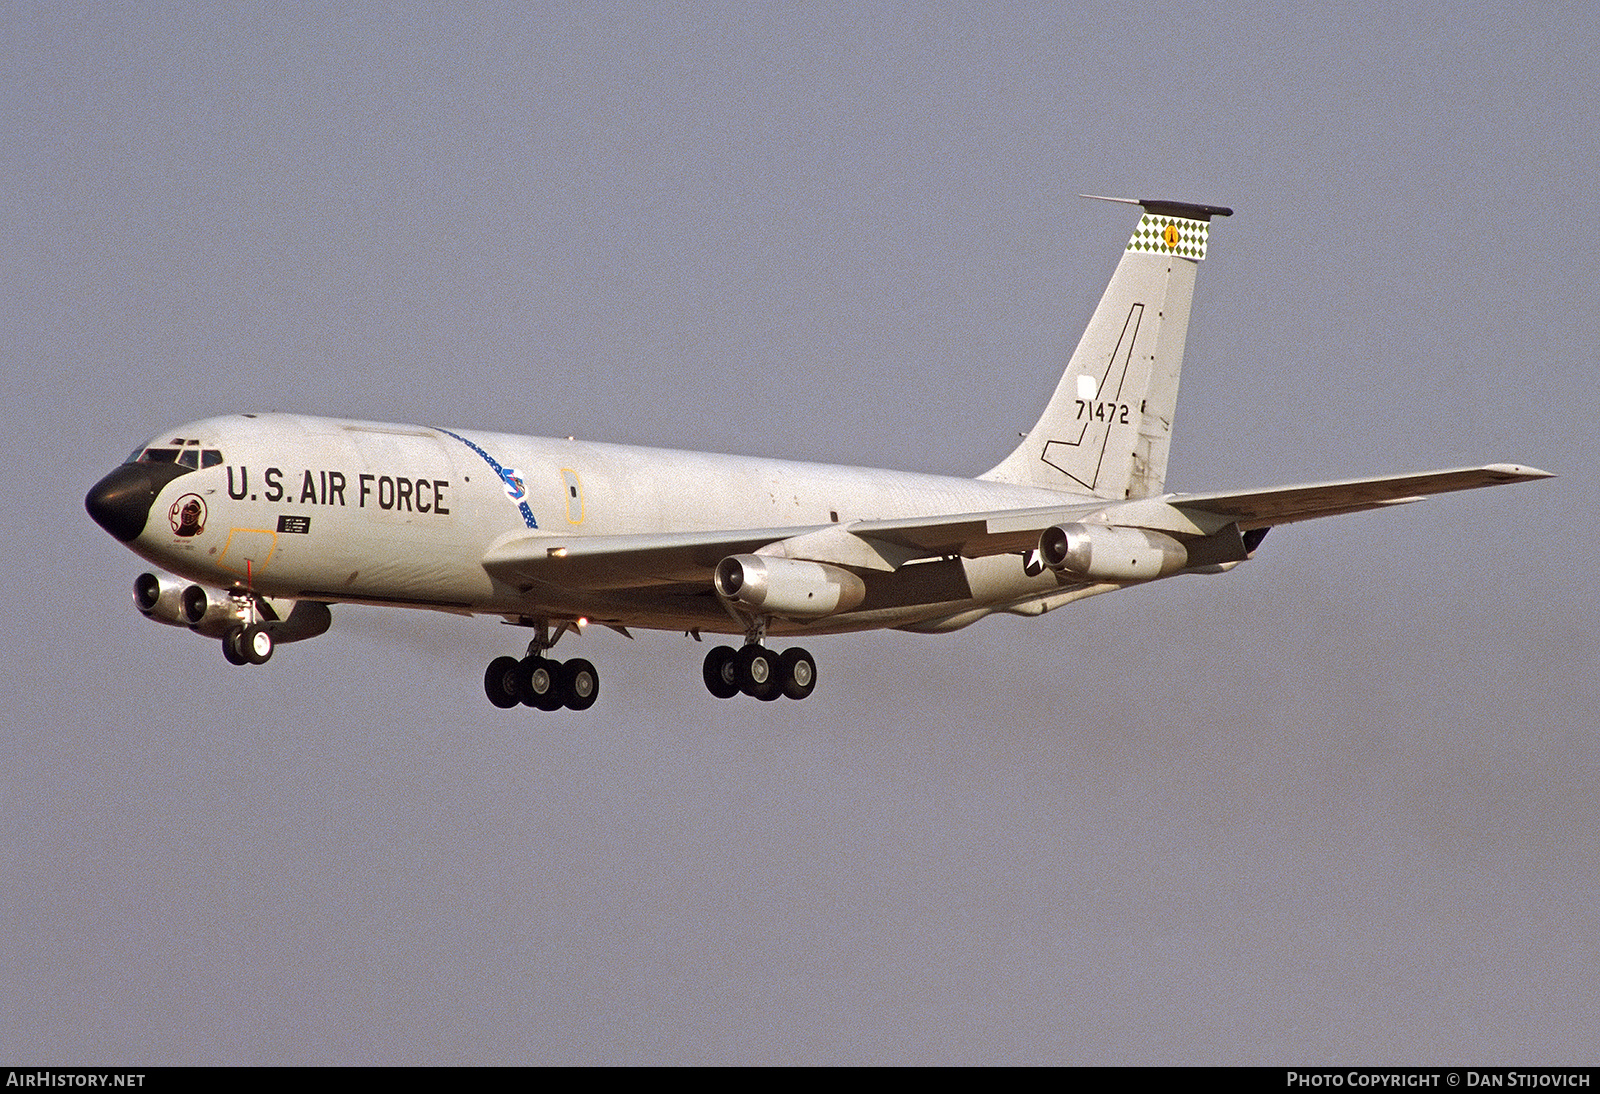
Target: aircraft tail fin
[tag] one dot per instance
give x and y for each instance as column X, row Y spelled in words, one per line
column 1107, row 428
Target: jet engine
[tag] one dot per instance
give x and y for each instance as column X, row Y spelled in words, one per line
column 160, row 597
column 784, row 586
column 213, row 612
column 1100, row 553
column 178, row 603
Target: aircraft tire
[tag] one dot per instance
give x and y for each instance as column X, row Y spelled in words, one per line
column 758, row 672
column 580, row 684
column 539, row 683
column 231, row 646
column 721, row 673
column 500, row 683
column 797, row 673
column 256, row 644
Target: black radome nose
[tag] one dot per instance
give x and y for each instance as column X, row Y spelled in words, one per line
column 120, row 502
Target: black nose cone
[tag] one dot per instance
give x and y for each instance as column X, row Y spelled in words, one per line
column 120, row 502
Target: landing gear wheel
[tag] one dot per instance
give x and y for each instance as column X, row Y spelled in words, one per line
column 500, row 682
column 255, row 642
column 758, row 672
column 721, row 672
column 539, row 683
column 231, row 646
column 580, row 684
column 797, row 673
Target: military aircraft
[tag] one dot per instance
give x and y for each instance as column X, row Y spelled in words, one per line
column 267, row 519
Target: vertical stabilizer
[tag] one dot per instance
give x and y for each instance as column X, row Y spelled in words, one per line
column 1107, row 428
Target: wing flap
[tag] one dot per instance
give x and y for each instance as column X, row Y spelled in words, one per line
column 972, row 535
column 623, row 562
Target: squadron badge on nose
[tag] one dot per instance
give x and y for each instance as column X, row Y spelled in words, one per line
column 188, row 515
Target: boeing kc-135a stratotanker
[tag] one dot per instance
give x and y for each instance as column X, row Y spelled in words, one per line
column 267, row 519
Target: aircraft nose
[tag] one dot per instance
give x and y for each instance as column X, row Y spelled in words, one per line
column 120, row 502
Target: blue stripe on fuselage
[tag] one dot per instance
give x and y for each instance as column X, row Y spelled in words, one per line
column 508, row 477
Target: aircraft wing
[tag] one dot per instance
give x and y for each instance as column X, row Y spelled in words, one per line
column 634, row 561
column 602, row 563
column 1286, row 504
column 974, row 535
column 672, row 558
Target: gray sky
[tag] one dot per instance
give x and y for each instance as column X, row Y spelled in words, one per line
column 1337, row 806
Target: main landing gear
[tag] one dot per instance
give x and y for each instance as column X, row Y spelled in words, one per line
column 539, row 682
column 758, row 671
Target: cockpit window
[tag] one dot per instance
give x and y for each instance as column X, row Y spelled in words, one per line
column 181, row 451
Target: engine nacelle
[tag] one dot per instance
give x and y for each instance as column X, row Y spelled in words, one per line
column 213, row 612
column 785, row 586
column 179, row 603
column 160, row 597
column 1100, row 553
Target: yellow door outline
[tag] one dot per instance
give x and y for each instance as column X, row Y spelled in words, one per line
column 574, row 492
column 249, row 561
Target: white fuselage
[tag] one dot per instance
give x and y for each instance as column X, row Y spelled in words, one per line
column 332, row 510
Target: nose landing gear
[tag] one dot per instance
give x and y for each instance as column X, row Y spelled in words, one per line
column 247, row 642
column 249, row 645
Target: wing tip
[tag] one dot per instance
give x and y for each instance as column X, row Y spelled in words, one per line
column 1513, row 472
